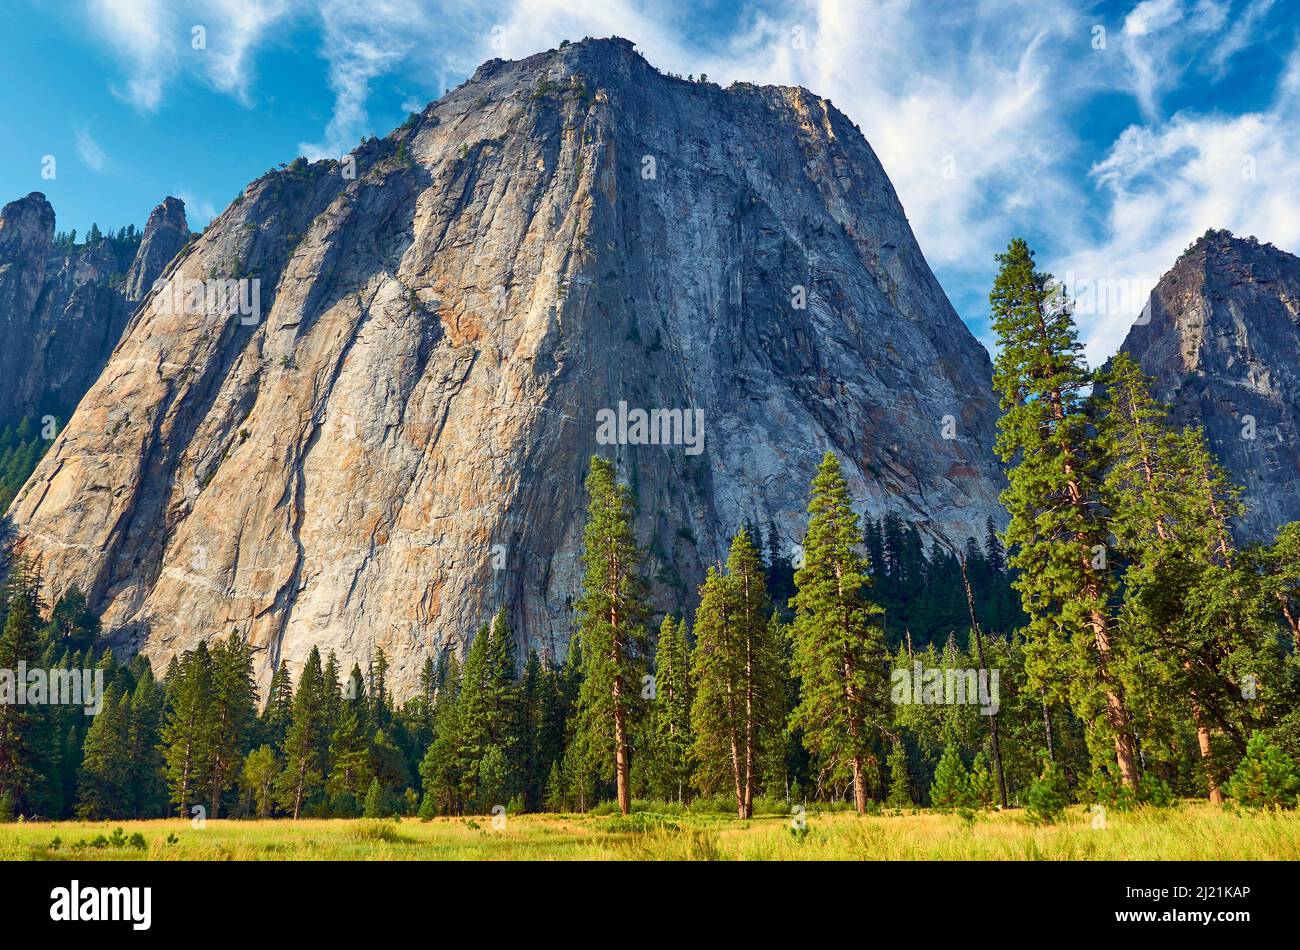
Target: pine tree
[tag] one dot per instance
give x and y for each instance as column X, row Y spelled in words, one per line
column 612, row 612
column 148, row 790
column 187, row 734
column 1196, row 607
column 104, row 785
column 738, row 672
column 526, row 728
column 349, row 752
column 234, row 709
column 900, row 782
column 951, row 786
column 485, row 702
column 381, row 710
column 1057, row 529
column 982, row 791
column 838, row 645
column 374, row 802
column 306, row 743
column 1266, row 777
column 279, row 707
column 19, row 724
column 671, row 734
column 1281, row 568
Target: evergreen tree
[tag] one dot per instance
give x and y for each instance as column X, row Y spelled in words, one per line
column 148, row 790
column 951, row 787
column 612, row 612
column 104, row 788
column 234, row 709
column 900, row 782
column 188, row 733
column 306, row 744
column 1281, row 569
column 737, row 670
column 279, row 707
column 375, row 806
column 839, row 652
column 671, row 735
column 349, row 752
column 1266, row 777
column 20, row 725
column 1057, row 529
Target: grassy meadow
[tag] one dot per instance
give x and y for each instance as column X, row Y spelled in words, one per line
column 1192, row 831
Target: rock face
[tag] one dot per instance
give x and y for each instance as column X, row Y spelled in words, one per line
column 1223, row 344
column 63, row 307
column 164, row 236
column 396, row 443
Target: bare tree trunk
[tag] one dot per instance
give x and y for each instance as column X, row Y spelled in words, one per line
column 622, row 767
column 1207, row 753
column 621, row 764
column 1292, row 621
column 747, row 802
column 1116, row 712
column 859, row 785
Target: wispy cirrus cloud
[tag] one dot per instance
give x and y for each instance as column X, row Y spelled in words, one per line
column 1167, row 183
column 984, row 115
column 158, row 41
column 90, row 151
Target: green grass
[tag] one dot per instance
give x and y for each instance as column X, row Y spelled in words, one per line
column 1194, row 831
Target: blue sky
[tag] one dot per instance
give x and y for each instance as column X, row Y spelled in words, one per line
column 1110, row 134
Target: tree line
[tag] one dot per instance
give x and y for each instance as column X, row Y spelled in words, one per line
column 1141, row 655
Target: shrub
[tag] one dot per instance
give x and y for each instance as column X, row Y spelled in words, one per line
column 1047, row 797
column 1266, row 777
column 1155, row 791
column 983, row 793
column 1106, row 789
column 374, row 807
column 951, row 786
column 370, row 830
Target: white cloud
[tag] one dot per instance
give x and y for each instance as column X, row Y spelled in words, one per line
column 1166, row 184
column 234, row 29
column 154, row 41
column 361, row 42
column 90, row 151
column 137, row 31
column 994, row 91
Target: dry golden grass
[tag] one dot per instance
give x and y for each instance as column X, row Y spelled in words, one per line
column 1194, row 831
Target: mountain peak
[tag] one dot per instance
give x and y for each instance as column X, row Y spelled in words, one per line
column 1223, row 345
column 397, row 446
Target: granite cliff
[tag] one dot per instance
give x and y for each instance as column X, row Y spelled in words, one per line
column 63, row 306
column 361, row 411
column 1221, row 337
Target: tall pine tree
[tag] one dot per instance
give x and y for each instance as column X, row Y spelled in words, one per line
column 839, row 647
column 1057, row 527
column 612, row 613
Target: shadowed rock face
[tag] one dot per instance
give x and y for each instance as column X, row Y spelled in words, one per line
column 397, row 446
column 164, row 236
column 63, row 308
column 1223, row 344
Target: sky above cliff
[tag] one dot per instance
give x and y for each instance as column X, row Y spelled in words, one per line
column 1110, row 134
